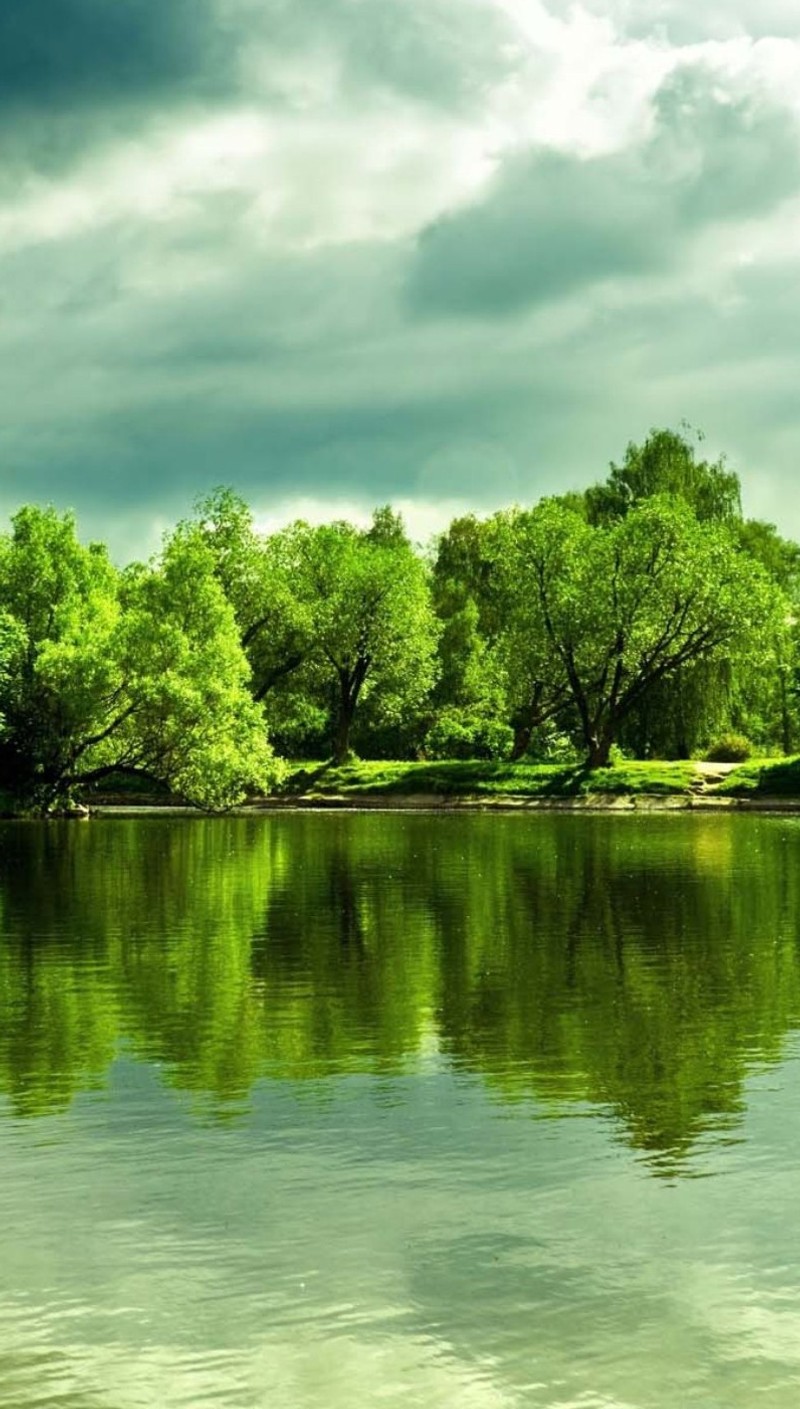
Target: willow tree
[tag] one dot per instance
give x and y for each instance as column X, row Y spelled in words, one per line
column 493, row 660
column 373, row 624
column 620, row 608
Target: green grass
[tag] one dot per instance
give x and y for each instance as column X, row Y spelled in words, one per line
column 763, row 777
column 484, row 779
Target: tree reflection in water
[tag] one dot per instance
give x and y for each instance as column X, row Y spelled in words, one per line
column 641, row 965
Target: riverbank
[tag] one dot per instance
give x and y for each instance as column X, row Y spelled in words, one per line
column 657, row 786
column 483, row 780
column 630, row 786
column 498, row 786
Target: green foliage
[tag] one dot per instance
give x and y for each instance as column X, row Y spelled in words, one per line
column 193, row 722
column 141, row 671
column 730, row 748
column 460, row 733
column 302, row 950
column 261, row 579
column 666, row 464
column 617, row 609
column 643, row 613
column 711, row 695
column 61, row 616
column 778, row 556
column 765, row 778
column 374, row 629
column 492, row 661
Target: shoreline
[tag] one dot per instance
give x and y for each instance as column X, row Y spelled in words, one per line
column 625, row 804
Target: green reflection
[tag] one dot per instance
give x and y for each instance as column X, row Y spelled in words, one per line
column 643, row 965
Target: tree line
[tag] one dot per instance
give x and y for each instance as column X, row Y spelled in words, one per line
column 645, row 612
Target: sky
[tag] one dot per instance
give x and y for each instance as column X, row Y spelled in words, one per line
column 451, row 254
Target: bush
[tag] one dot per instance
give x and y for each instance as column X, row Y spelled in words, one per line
column 730, row 748
column 551, row 745
column 460, row 734
column 617, row 756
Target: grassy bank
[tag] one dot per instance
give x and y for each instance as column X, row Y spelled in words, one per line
column 764, row 777
column 476, row 779
column 401, row 783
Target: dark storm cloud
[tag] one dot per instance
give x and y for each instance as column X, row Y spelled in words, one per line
column 553, row 223
column 76, row 74
column 55, row 53
column 81, row 74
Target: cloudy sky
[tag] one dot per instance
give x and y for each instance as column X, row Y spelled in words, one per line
column 445, row 252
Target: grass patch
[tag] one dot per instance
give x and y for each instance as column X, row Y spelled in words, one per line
column 484, row 779
column 763, row 777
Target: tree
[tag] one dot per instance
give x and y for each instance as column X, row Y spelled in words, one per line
column 373, row 624
column 536, row 687
column 261, row 579
column 468, row 699
column 775, row 690
column 625, row 606
column 699, row 700
column 666, row 464
column 139, row 671
column 192, row 722
column 59, row 682
column 494, row 663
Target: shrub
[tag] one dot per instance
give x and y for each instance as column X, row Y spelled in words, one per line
column 730, row 748
column 617, row 756
column 460, row 734
column 551, row 745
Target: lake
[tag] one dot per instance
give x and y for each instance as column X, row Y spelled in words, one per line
column 338, row 1111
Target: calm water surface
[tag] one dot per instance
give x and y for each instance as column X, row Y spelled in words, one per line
column 458, row 1112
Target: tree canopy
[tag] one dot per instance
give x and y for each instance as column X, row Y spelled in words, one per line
column 619, row 608
column 373, row 624
column 644, row 611
column 666, row 464
column 107, row 671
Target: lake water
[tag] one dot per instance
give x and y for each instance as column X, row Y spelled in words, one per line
column 458, row 1112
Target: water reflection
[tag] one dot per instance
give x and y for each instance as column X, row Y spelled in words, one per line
column 644, row 966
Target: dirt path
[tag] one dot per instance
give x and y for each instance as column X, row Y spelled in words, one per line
column 707, row 774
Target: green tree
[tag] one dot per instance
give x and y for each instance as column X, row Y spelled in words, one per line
column 625, row 606
column 468, row 699
column 260, row 577
column 774, row 694
column 703, row 699
column 191, row 720
column 374, row 627
column 494, row 665
column 59, row 687
column 666, row 464
column 104, row 671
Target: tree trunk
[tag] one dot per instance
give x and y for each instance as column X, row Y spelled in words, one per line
column 344, row 723
column 786, row 721
column 599, row 750
column 350, row 683
column 524, row 722
column 522, row 739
